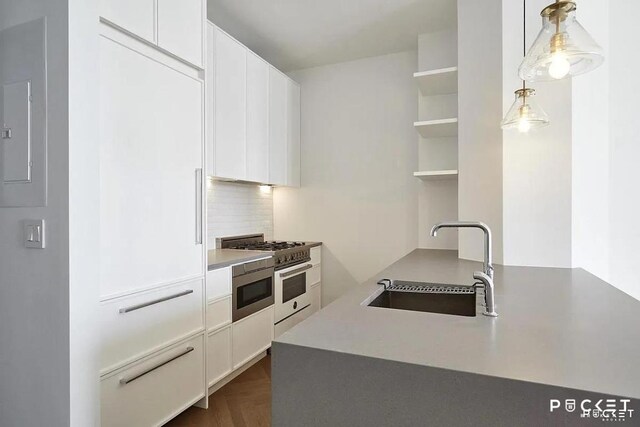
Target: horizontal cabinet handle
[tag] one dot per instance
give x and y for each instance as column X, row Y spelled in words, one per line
column 155, row 301
column 296, row 271
column 125, row 380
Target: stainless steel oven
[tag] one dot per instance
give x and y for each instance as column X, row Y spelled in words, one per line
column 253, row 287
column 292, row 291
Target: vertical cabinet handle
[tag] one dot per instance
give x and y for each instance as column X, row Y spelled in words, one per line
column 199, row 190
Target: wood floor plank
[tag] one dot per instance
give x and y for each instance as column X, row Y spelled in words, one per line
column 244, row 402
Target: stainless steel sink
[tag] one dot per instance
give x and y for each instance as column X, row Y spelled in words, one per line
column 457, row 300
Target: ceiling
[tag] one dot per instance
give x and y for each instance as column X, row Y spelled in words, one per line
column 296, row 34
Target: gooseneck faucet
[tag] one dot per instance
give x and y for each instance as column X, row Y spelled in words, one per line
column 485, row 276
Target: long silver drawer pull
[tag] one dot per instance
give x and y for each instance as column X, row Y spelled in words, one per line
column 155, row 301
column 125, row 381
column 199, row 189
column 296, row 271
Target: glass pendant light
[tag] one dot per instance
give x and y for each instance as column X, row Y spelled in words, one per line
column 525, row 113
column 563, row 47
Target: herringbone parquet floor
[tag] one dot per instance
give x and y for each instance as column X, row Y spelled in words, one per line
column 244, row 402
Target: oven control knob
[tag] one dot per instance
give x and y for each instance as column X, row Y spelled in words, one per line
column 281, row 260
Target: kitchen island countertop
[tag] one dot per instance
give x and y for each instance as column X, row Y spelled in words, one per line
column 560, row 327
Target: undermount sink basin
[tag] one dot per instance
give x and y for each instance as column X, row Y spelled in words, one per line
column 428, row 297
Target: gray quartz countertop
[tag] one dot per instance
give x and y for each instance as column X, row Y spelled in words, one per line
column 562, row 327
column 220, row 258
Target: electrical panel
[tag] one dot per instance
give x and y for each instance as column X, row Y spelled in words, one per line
column 23, row 118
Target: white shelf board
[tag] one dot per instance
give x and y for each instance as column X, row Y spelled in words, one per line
column 436, row 175
column 438, row 82
column 437, row 128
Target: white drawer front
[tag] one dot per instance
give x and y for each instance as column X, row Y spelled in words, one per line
column 218, row 283
column 219, row 355
column 313, row 275
column 132, row 326
column 218, row 313
column 153, row 396
column 251, row 336
column 316, row 255
column 292, row 321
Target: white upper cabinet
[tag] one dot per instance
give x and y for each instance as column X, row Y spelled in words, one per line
column 277, row 127
column 180, row 28
column 229, row 106
column 253, row 117
column 175, row 26
column 135, row 16
column 257, row 119
column 293, row 134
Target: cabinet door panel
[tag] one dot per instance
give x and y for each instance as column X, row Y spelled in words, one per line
column 251, row 336
column 218, row 355
column 293, row 134
column 230, row 79
column 277, row 128
column 180, row 27
column 257, row 119
column 135, row 16
column 150, row 147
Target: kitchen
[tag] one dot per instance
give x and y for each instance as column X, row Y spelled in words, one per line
column 219, row 212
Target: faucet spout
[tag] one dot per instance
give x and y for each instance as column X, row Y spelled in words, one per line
column 488, row 253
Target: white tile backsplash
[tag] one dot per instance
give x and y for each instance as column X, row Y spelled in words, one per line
column 237, row 209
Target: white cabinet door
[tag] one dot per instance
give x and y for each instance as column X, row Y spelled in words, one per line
column 293, row 134
column 316, row 298
column 218, row 355
column 135, row 16
column 218, row 283
column 150, row 147
column 257, row 119
column 156, row 389
column 277, row 127
column 229, row 125
column 251, row 336
column 210, row 102
column 180, row 27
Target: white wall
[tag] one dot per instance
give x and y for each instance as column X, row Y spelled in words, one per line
column 479, row 115
column 590, row 140
column 83, row 214
column 34, row 292
column 48, row 298
column 536, row 166
column 625, row 147
column 235, row 209
column 359, row 151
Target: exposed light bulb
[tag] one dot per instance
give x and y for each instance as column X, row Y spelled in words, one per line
column 524, row 125
column 559, row 66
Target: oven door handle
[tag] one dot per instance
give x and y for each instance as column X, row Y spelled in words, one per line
column 296, row 271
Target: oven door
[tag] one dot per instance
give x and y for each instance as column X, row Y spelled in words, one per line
column 292, row 291
column 251, row 293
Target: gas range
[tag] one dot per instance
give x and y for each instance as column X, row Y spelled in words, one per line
column 285, row 254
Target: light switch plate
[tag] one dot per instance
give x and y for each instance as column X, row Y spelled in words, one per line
column 34, row 233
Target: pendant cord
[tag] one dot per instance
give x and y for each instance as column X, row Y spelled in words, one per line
column 524, row 43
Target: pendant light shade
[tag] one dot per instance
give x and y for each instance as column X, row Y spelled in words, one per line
column 563, row 47
column 525, row 114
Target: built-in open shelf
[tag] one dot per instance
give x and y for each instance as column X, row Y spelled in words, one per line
column 437, row 128
column 438, row 82
column 436, row 175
